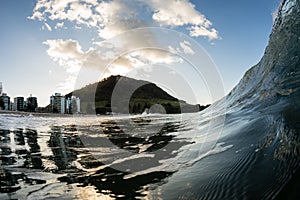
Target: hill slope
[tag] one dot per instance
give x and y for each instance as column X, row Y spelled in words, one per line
column 126, row 95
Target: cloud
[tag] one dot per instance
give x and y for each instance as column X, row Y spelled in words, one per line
column 70, row 10
column 181, row 13
column 59, row 25
column 67, row 85
column 115, row 17
column 196, row 31
column 154, row 56
column 186, row 46
column 63, row 49
column 69, row 53
column 46, row 26
column 177, row 13
column 111, row 18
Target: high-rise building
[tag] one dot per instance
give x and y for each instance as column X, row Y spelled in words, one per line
column 69, row 107
column 5, row 101
column 73, row 105
column 1, row 89
column 19, row 103
column 11, row 106
column 31, row 104
column 57, row 103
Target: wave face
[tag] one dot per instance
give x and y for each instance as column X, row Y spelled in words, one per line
column 263, row 125
column 264, row 113
column 276, row 77
column 256, row 156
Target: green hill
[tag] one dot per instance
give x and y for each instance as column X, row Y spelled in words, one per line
column 129, row 95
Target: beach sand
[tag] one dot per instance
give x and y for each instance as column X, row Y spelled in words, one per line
column 34, row 113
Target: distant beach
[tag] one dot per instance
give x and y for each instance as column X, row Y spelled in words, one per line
column 34, row 113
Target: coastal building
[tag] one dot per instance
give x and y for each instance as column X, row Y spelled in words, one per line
column 25, row 106
column 5, row 101
column 31, row 104
column 57, row 103
column 73, row 105
column 19, row 103
column 77, row 104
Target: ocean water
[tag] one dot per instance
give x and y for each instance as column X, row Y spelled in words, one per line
column 167, row 156
column 245, row 146
column 98, row 157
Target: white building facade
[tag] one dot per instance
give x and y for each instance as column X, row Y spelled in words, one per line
column 73, row 105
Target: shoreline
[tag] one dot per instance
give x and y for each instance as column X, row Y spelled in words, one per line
column 23, row 113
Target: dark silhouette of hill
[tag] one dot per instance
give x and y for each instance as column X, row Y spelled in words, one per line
column 127, row 95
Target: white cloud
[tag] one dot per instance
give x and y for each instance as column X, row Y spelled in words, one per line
column 155, row 56
column 173, row 50
column 69, row 53
column 93, row 2
column 63, row 49
column 186, row 46
column 67, row 85
column 182, row 13
column 196, row 31
column 79, row 12
column 48, row 27
column 59, row 25
column 115, row 17
column 177, row 13
column 111, row 18
column 70, row 10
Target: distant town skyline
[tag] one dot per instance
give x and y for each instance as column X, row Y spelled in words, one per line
column 43, row 44
column 58, row 103
column 17, row 103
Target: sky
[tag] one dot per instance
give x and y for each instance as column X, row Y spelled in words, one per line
column 50, row 46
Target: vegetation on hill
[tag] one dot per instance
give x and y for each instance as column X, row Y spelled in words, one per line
column 143, row 96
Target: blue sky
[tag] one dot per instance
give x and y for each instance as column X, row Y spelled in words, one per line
column 35, row 60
